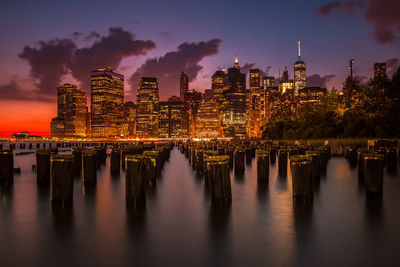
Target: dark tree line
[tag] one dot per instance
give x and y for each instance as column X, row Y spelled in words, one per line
column 370, row 110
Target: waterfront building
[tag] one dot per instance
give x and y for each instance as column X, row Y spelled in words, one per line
column 107, row 102
column 256, row 104
column 299, row 73
column 207, row 118
column 173, row 118
column 147, row 108
column 184, row 85
column 380, row 70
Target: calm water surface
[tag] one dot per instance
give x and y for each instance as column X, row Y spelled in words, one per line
column 179, row 227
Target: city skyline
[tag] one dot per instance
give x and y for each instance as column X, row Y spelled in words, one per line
column 184, row 43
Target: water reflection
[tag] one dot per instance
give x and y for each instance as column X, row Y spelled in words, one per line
column 374, row 208
column 62, row 219
column 282, row 181
column 218, row 231
column 262, row 193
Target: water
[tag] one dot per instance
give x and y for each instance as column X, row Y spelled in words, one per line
column 179, row 227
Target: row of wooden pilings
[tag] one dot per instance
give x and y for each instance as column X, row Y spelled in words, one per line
column 214, row 160
column 38, row 145
column 370, row 164
column 142, row 163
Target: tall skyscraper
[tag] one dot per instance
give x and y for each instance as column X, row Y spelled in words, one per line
column 380, row 70
column 107, row 102
column 62, row 93
column 172, row 118
column 285, row 84
column 207, row 118
column 71, row 113
column 128, row 126
column 147, row 108
column 299, row 73
column 234, row 117
column 256, row 104
column 192, row 101
column 184, row 85
column 75, row 115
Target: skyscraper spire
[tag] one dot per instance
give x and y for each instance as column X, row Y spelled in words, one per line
column 236, row 65
column 299, row 50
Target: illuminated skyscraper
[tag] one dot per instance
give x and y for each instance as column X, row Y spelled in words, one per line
column 207, row 118
column 286, row 85
column 234, row 117
column 128, row 125
column 184, row 85
column 299, row 73
column 147, row 108
column 219, row 85
column 172, row 118
column 256, row 104
column 192, row 101
column 107, row 102
column 57, row 127
column 268, row 81
column 71, row 113
column 75, row 115
column 62, row 93
column 380, row 70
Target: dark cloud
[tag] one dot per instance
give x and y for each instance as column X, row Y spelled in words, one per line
column 12, row 91
column 385, row 18
column 49, row 62
column 77, row 35
column 348, row 8
column 318, row 80
column 383, row 15
column 169, row 67
column 392, row 65
column 92, row 36
column 106, row 52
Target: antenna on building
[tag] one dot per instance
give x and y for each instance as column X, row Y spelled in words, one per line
column 299, row 49
column 351, row 67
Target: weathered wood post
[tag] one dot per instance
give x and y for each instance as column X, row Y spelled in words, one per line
column 43, row 166
column 77, row 165
column 239, row 160
column 316, row 169
column 152, row 163
column 301, row 167
column 135, row 185
column 283, row 161
column 6, row 168
column 361, row 152
column 61, row 180
column 230, row 152
column 115, row 161
column 273, row 155
column 249, row 154
column 324, row 159
column 124, row 152
column 391, row 160
column 206, row 155
column 89, row 167
column 199, row 165
column 219, row 179
column 262, row 165
column 373, row 171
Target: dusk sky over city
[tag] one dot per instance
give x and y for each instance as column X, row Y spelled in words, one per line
column 47, row 43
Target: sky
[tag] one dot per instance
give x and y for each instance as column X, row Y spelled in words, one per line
column 47, row 43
